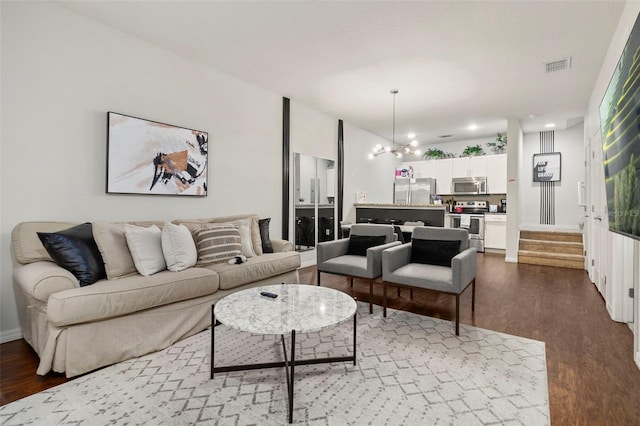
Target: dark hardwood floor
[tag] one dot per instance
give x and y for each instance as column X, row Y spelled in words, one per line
column 592, row 377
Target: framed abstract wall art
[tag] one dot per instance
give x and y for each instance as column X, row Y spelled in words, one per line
column 620, row 127
column 148, row 157
column 546, row 167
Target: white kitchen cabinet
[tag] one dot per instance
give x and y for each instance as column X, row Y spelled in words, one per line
column 495, row 231
column 441, row 171
column 470, row 166
column 497, row 174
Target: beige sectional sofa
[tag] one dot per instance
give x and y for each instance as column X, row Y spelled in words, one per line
column 78, row 329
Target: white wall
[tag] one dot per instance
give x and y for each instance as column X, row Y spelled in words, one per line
column 374, row 176
column 61, row 73
column 570, row 143
column 592, row 126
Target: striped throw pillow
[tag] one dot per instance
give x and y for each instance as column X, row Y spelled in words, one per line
column 217, row 243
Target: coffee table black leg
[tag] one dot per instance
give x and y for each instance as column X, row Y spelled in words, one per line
column 213, row 337
column 293, row 362
column 354, row 337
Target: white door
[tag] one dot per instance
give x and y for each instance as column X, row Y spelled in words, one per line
column 598, row 219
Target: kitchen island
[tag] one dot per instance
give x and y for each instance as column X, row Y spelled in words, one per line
column 398, row 214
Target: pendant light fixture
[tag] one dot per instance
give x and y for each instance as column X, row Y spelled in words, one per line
column 393, row 149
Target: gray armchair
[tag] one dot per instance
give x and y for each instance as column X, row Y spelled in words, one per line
column 334, row 257
column 424, row 263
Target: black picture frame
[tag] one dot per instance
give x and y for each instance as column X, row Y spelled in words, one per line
column 147, row 157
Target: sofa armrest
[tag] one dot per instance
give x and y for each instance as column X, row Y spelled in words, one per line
column 374, row 257
column 281, row 245
column 395, row 257
column 463, row 268
column 40, row 280
column 330, row 249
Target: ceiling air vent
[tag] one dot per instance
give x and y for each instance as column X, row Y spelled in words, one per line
column 560, row 65
column 445, row 136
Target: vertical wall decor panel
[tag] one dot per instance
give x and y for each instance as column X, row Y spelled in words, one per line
column 547, row 189
column 286, row 148
column 340, row 171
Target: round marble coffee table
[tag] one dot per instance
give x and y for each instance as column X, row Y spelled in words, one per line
column 298, row 308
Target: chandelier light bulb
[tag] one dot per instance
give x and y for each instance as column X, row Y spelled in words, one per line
column 414, row 143
column 417, row 152
column 387, row 148
column 379, row 147
column 399, row 155
column 370, row 156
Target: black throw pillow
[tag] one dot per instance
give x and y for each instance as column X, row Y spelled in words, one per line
column 264, row 235
column 358, row 244
column 75, row 250
column 434, row 252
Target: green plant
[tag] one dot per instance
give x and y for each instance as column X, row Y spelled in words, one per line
column 499, row 143
column 472, row 150
column 434, row 153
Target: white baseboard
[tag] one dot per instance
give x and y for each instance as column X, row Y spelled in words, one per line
column 511, row 259
column 307, row 263
column 638, row 359
column 11, row 335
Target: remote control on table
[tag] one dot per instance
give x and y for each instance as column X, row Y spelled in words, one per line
column 268, row 294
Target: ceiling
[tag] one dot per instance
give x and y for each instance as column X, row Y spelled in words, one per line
column 454, row 63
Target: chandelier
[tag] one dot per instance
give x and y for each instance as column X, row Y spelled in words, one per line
column 398, row 151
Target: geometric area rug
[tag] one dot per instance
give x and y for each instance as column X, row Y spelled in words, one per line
column 411, row 370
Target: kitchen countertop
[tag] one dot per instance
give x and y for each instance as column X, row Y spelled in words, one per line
column 402, row 206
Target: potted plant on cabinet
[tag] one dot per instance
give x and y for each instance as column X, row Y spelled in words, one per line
column 498, row 146
column 473, row 150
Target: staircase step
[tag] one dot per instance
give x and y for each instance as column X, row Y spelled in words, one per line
column 575, row 237
column 547, row 258
column 551, row 246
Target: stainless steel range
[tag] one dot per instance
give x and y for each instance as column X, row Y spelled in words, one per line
column 470, row 215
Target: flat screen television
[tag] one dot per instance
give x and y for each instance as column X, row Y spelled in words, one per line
column 620, row 127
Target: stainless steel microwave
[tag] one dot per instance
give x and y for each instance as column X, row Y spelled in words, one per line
column 469, row 185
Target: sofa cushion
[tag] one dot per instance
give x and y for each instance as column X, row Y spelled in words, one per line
column 75, row 250
column 112, row 244
column 25, row 242
column 255, row 228
column 145, row 245
column 108, row 299
column 267, row 247
column 255, row 268
column 178, row 247
column 114, row 249
column 359, row 244
column 217, row 243
column 434, row 252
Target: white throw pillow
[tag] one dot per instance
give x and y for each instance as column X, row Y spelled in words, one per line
column 178, row 247
column 244, row 227
column 145, row 245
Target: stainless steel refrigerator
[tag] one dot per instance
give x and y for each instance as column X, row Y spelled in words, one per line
column 414, row 191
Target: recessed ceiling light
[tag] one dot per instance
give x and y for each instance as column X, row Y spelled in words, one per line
column 472, row 127
column 411, row 135
column 549, row 125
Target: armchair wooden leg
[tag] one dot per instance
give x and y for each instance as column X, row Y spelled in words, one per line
column 384, row 299
column 473, row 295
column 318, row 277
column 371, row 296
column 398, row 291
column 457, row 314
column 411, row 293
column 351, row 281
